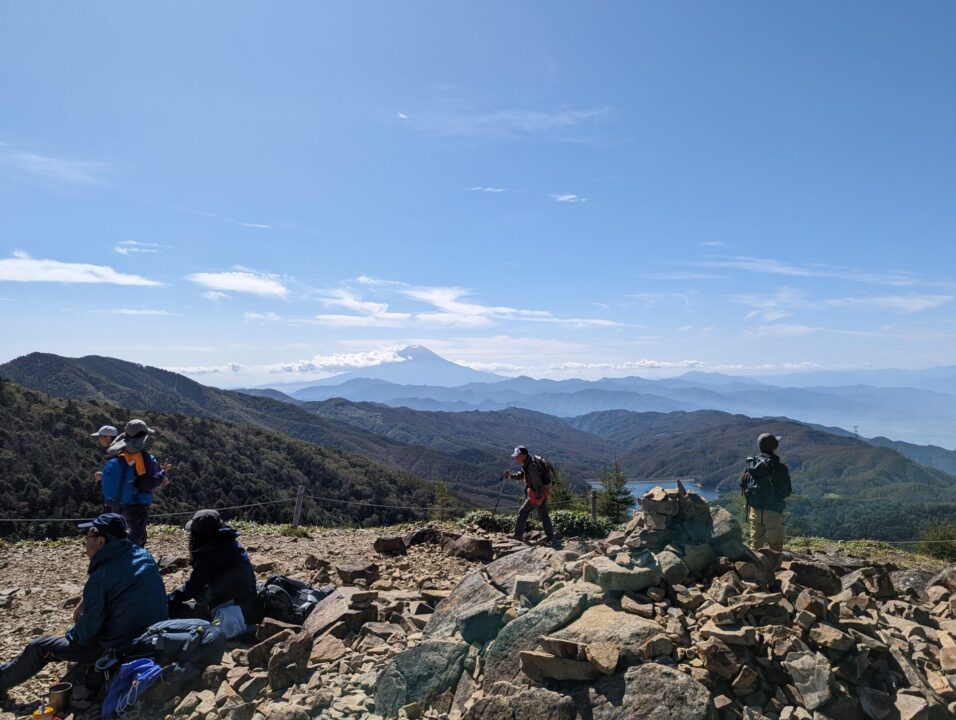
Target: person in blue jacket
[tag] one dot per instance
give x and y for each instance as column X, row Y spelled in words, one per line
column 221, row 571
column 130, row 476
column 123, row 595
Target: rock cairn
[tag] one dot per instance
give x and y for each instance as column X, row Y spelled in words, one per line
column 676, row 619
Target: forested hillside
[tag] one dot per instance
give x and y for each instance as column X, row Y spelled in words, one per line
column 492, row 433
column 47, row 461
column 140, row 388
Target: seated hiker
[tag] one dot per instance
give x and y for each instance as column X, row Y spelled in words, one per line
column 130, row 476
column 124, row 595
column 221, row 571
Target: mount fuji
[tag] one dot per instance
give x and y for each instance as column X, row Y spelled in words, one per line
column 419, row 366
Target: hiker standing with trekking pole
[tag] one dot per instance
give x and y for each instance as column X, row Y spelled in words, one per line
column 538, row 479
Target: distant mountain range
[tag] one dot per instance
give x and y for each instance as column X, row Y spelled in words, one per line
column 837, row 475
column 923, row 413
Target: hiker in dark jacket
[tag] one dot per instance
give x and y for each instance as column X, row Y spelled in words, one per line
column 765, row 485
column 129, row 477
column 221, row 571
column 124, row 594
column 537, row 489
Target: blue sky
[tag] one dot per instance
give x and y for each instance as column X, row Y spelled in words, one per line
column 253, row 192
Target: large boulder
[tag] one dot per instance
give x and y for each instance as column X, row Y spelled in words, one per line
column 419, row 675
column 469, row 547
column 472, row 594
column 603, row 571
column 946, row 579
column 812, row 676
column 542, row 563
column 509, row 702
column 338, row 607
column 503, row 659
column 602, row 624
column 647, row 691
column 725, row 525
column 818, row 576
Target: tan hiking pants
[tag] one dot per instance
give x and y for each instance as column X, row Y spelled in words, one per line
column 766, row 528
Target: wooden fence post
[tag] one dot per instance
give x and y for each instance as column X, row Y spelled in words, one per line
column 297, row 513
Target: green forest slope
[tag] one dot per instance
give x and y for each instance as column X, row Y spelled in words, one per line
column 47, row 461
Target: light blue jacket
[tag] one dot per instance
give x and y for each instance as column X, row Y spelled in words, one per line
column 118, row 488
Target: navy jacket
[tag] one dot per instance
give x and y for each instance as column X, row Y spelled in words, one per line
column 124, row 595
column 221, row 572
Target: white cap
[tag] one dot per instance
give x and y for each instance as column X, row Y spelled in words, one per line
column 107, row 430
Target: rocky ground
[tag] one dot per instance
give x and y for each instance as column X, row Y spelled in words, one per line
column 671, row 619
column 40, row 583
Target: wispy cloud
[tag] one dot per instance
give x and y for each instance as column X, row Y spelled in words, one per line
column 402, row 116
column 567, row 198
column 679, row 275
column 339, row 362
column 906, row 304
column 652, row 299
column 782, row 330
column 240, row 281
column 643, row 364
column 507, row 123
column 23, row 268
column 785, row 301
column 228, row 368
column 52, row 168
column 216, row 296
column 479, row 188
column 136, row 312
column 448, row 307
column 226, row 219
column 775, row 267
column 316, row 365
column 132, row 247
column 712, row 243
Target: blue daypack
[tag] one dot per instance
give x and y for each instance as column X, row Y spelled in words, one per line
column 125, row 688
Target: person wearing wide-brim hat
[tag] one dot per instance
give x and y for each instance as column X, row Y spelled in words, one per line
column 221, row 571
column 130, row 476
column 123, row 595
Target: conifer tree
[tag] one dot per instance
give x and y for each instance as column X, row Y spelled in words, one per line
column 615, row 500
column 441, row 505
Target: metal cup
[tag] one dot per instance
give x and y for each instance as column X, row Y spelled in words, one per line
column 60, row 696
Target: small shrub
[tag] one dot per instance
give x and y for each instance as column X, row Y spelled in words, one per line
column 488, row 521
column 571, row 523
column 938, row 539
column 295, row 531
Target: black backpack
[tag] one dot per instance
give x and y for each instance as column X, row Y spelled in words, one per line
column 546, row 469
column 288, row 600
column 765, row 483
column 183, row 647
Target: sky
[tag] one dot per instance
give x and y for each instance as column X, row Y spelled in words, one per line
column 251, row 192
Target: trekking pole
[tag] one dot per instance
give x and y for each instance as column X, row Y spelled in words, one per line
column 500, row 488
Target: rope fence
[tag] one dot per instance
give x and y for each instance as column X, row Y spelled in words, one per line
column 422, row 508
column 359, row 503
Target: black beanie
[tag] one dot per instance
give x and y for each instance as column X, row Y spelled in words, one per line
column 767, row 442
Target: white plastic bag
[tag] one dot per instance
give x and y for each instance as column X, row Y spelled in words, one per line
column 229, row 619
